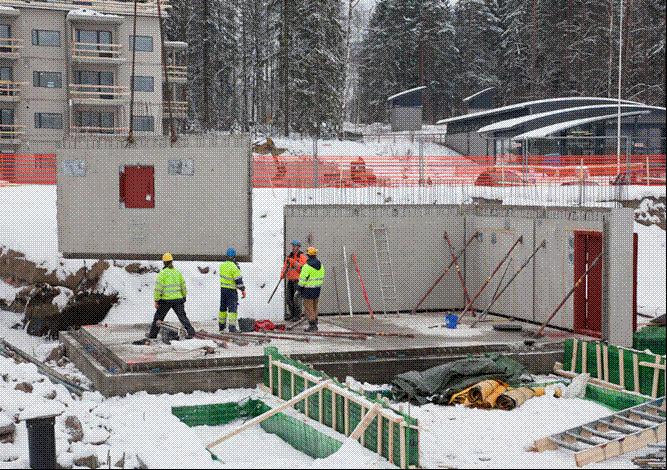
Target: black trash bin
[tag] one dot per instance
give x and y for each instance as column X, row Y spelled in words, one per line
column 42, row 442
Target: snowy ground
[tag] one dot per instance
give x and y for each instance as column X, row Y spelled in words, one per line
column 141, row 428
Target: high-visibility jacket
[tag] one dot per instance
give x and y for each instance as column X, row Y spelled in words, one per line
column 230, row 275
column 169, row 285
column 292, row 266
column 312, row 276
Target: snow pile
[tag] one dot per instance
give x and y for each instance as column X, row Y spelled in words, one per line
column 388, row 146
column 87, row 13
column 650, row 211
column 651, row 263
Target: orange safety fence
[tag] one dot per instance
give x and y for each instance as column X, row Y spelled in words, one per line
column 27, row 169
column 286, row 171
column 507, row 170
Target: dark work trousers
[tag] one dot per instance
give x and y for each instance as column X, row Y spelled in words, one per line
column 293, row 301
column 163, row 308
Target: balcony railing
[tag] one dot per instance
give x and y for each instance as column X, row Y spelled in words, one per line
column 10, row 47
column 9, row 91
column 178, row 108
column 104, row 95
column 99, row 130
column 97, row 53
column 144, row 7
column 177, row 73
column 10, row 132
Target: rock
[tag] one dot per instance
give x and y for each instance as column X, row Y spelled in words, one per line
column 89, row 462
column 96, row 436
column 203, row 270
column 56, row 354
column 74, row 429
column 51, row 395
column 24, row 387
column 138, row 268
column 121, row 462
column 208, row 350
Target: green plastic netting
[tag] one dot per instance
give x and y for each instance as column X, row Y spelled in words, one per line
column 651, row 338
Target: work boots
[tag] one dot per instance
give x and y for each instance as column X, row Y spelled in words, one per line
column 232, row 329
column 222, row 326
column 312, row 326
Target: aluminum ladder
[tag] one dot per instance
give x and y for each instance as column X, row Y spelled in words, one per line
column 384, row 268
column 627, row 430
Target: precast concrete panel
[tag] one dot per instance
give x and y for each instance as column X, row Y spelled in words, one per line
column 202, row 205
column 416, row 243
column 497, row 236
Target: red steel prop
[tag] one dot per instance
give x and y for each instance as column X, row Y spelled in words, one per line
column 363, row 288
column 538, row 333
column 455, row 260
column 437, row 281
column 488, row 279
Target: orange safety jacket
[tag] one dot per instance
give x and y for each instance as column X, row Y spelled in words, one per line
column 292, row 266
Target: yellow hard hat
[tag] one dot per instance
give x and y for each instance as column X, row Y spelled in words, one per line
column 167, row 257
column 311, row 251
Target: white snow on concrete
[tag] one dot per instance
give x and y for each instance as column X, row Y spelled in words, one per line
column 651, row 270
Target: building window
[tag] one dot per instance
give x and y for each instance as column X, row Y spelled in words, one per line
column 5, row 31
column 143, row 83
column 93, row 40
column 95, row 121
column 48, row 121
column 42, row 37
column 47, row 79
column 7, row 128
column 144, row 123
column 143, row 43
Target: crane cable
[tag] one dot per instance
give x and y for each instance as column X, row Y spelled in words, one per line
column 130, row 134
column 172, row 128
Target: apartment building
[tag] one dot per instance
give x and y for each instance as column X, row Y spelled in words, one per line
column 66, row 66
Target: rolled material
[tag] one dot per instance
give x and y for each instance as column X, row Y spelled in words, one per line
column 514, row 398
column 479, row 392
column 492, row 399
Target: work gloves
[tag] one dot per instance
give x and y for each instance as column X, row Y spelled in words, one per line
column 243, row 294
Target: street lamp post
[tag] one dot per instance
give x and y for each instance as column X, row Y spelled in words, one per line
column 620, row 65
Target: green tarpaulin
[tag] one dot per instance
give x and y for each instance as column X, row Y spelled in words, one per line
column 439, row 383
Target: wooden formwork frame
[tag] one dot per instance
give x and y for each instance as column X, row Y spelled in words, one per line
column 602, row 362
column 370, row 411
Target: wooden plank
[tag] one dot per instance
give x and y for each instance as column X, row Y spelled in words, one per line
column 305, row 402
column 280, row 381
column 379, row 435
column 404, row 462
column 321, row 407
column 364, row 423
column 333, row 410
column 292, row 385
column 346, row 415
column 656, row 377
column 598, row 361
column 390, row 442
column 264, row 416
column 621, row 369
column 573, row 366
column 593, row 380
column 544, row 443
column 605, row 362
column 362, row 439
column 635, row 370
column 584, row 357
column 271, row 373
column 652, row 365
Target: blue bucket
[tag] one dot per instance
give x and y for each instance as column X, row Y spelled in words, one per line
column 451, row 320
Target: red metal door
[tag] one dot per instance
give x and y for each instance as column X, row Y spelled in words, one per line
column 137, row 187
column 588, row 296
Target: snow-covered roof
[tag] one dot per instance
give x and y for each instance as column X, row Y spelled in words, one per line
column 527, row 104
column 176, row 44
column 508, row 124
column 465, row 100
column 561, row 126
column 8, row 11
column 93, row 15
column 411, row 90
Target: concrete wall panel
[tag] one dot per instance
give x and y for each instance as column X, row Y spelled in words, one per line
column 195, row 216
column 418, row 250
column 419, row 255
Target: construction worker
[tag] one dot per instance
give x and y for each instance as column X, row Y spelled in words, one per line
column 170, row 292
column 310, row 284
column 230, row 281
column 291, row 270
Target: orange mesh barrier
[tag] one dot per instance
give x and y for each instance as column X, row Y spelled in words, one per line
column 27, row 169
